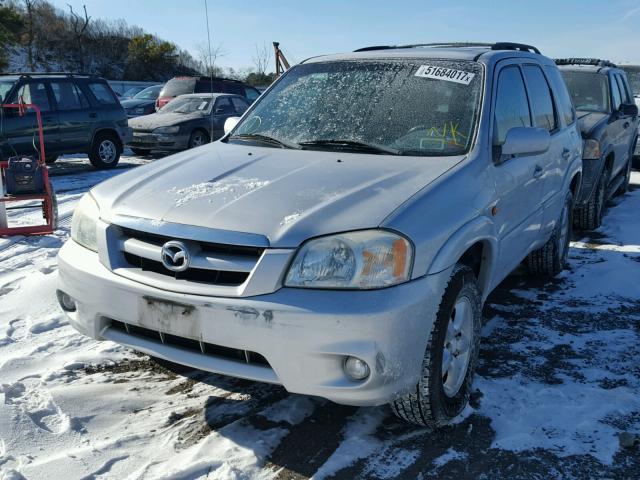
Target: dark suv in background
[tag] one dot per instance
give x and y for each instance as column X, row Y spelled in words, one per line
column 608, row 119
column 184, row 85
column 633, row 74
column 80, row 114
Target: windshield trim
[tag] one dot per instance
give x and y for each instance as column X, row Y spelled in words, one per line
column 479, row 110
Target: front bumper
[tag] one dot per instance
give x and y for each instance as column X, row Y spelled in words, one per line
column 153, row 141
column 303, row 334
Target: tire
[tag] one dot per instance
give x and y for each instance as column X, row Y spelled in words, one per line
column 198, row 138
column 551, row 258
column 438, row 398
column 624, row 187
column 589, row 215
column 105, row 151
column 140, row 151
column 50, row 159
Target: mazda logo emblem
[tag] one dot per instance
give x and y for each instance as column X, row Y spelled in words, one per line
column 175, row 256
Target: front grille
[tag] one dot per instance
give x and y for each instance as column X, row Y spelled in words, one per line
column 212, row 263
column 204, row 348
column 198, row 275
column 208, row 247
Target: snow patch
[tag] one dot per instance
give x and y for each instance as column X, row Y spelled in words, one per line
column 237, row 186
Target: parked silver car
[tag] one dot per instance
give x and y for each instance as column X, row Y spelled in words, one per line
column 341, row 239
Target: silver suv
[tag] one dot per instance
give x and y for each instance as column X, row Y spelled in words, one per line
column 340, row 240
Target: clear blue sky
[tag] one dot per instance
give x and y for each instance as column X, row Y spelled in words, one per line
column 603, row 28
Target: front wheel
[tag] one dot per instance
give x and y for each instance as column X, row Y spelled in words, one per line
column 198, row 138
column 450, row 358
column 550, row 259
column 105, row 152
column 589, row 215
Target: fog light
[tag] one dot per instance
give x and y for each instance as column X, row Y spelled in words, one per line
column 67, row 303
column 356, row 369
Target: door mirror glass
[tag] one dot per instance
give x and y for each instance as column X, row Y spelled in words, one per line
column 230, row 123
column 629, row 109
column 525, row 141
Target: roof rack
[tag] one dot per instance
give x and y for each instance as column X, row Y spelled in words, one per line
column 597, row 62
column 45, row 74
column 493, row 46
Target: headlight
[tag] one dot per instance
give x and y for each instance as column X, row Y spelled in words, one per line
column 357, row 260
column 164, row 130
column 591, row 150
column 84, row 223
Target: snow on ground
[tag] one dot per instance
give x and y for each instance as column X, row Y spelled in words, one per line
column 558, row 381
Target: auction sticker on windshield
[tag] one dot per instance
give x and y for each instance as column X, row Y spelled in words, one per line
column 448, row 74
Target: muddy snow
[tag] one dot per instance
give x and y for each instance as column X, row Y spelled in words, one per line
column 558, row 382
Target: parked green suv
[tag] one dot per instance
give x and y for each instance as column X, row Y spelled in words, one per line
column 80, row 114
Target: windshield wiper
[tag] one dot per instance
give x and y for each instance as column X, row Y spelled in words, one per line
column 352, row 145
column 259, row 137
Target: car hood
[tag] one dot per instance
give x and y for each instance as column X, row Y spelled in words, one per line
column 588, row 121
column 284, row 195
column 155, row 120
column 134, row 102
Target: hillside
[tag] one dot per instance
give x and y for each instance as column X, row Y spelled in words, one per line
column 36, row 36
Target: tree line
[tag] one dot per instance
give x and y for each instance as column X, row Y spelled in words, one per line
column 36, row 36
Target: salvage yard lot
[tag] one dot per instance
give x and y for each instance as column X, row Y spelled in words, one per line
column 558, row 380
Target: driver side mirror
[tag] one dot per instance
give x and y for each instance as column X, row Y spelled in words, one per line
column 230, row 123
column 524, row 141
column 629, row 110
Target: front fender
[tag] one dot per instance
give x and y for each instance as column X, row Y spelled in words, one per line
column 479, row 230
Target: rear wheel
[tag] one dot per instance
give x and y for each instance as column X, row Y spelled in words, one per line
column 140, row 151
column 550, row 259
column 105, row 151
column 589, row 215
column 198, row 138
column 450, row 358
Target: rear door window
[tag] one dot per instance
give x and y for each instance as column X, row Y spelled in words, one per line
column 68, row 96
column 234, row 88
column 206, row 86
column 251, row 93
column 565, row 105
column 540, row 96
column 102, row 93
column 512, row 107
column 35, row 93
column 240, row 105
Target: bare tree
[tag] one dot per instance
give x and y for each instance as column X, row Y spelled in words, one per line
column 79, row 25
column 261, row 59
column 209, row 59
column 29, row 4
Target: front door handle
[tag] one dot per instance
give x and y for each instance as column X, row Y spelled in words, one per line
column 93, row 115
column 537, row 172
column 566, row 153
column 626, row 124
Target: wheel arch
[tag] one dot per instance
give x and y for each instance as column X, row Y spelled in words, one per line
column 108, row 131
column 474, row 245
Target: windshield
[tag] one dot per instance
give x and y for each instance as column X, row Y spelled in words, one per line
column 5, row 86
column 187, row 105
column 589, row 91
column 425, row 108
column 131, row 92
column 150, row 93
